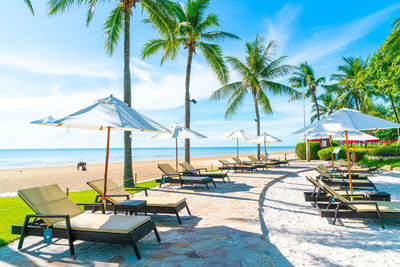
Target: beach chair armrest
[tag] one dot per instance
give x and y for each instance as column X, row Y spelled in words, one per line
column 99, row 204
column 138, row 189
column 47, row 216
column 200, row 169
column 354, row 195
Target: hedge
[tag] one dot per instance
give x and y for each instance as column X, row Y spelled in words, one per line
column 385, row 151
column 301, row 150
column 325, row 154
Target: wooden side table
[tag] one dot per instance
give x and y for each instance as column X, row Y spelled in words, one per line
column 131, row 206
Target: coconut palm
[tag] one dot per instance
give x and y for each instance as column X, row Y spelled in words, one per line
column 28, row 3
column 304, row 77
column 351, row 86
column 191, row 28
column 327, row 107
column 258, row 72
column 118, row 22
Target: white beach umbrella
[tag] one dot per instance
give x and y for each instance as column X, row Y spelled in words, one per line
column 345, row 120
column 237, row 134
column 107, row 114
column 265, row 138
column 178, row 132
column 360, row 137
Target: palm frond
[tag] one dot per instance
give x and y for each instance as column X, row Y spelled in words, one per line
column 235, row 102
column 225, row 91
column 218, row 36
column 264, row 102
column 278, row 89
column 213, row 55
column 113, row 28
column 239, row 66
column 60, row 6
column 28, row 3
column 209, row 21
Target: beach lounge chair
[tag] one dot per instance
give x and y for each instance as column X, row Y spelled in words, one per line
column 190, row 170
column 257, row 165
column 356, row 168
column 327, row 173
column 320, row 194
column 162, row 205
column 226, row 165
column 170, row 175
column 362, row 209
column 279, row 162
column 56, row 211
column 267, row 164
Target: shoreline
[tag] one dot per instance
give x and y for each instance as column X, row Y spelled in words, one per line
column 11, row 180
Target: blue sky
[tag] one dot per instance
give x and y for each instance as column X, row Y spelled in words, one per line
column 56, row 65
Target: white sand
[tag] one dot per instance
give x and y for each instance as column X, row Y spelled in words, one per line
column 299, row 236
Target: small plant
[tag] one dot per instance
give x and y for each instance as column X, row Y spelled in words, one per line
column 385, row 151
column 301, row 150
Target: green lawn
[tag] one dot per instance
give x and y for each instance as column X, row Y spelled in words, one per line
column 13, row 210
column 379, row 163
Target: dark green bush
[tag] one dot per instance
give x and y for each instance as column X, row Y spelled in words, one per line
column 301, row 150
column 385, row 151
column 325, row 154
column 387, row 134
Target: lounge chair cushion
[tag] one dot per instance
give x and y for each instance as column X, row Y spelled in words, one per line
column 112, row 189
column 162, row 201
column 384, row 206
column 108, row 223
column 198, row 178
column 49, row 200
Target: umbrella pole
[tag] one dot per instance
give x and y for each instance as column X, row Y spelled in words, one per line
column 237, row 147
column 348, row 161
column 265, row 148
column 106, row 167
column 333, row 165
column 176, row 152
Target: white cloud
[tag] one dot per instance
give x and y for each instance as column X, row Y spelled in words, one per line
column 56, row 65
column 337, row 38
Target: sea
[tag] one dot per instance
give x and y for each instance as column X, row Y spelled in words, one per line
column 23, row 158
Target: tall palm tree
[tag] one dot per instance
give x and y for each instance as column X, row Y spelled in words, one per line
column 118, row 22
column 351, row 87
column 191, row 27
column 327, row 107
column 304, row 77
column 28, row 3
column 258, row 72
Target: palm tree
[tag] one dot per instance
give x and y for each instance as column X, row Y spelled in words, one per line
column 328, row 106
column 191, row 27
column 117, row 22
column 28, row 3
column 304, row 77
column 351, row 86
column 258, row 72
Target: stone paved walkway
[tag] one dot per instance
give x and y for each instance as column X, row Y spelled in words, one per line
column 224, row 230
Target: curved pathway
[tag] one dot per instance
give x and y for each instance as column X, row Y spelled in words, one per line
column 224, row 230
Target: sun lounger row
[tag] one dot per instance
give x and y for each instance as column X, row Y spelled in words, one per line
column 334, row 200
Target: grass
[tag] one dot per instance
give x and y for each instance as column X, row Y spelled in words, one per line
column 379, row 163
column 13, row 210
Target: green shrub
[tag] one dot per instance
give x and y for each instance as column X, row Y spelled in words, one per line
column 301, row 150
column 387, row 134
column 385, row 151
column 379, row 163
column 325, row 154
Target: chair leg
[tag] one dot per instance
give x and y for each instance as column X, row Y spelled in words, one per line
column 156, row 233
column 214, row 183
column 177, row 216
column 228, row 178
column 69, row 235
column 135, row 248
column 187, row 208
column 336, row 213
column 23, row 233
column 207, row 186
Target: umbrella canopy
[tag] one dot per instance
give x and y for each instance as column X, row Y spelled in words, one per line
column 333, row 135
column 107, row 114
column 265, row 138
column 345, row 120
column 360, row 137
column 178, row 132
column 237, row 134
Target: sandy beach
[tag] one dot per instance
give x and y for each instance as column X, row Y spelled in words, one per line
column 12, row 180
column 302, row 238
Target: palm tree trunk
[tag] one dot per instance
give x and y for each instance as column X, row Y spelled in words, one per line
column 258, row 122
column 128, row 175
column 187, row 103
column 355, row 100
column 315, row 102
column 395, row 114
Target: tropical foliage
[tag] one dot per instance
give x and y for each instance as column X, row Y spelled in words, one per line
column 29, row 5
column 304, row 77
column 189, row 28
column 118, row 22
column 258, row 73
column 328, row 103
